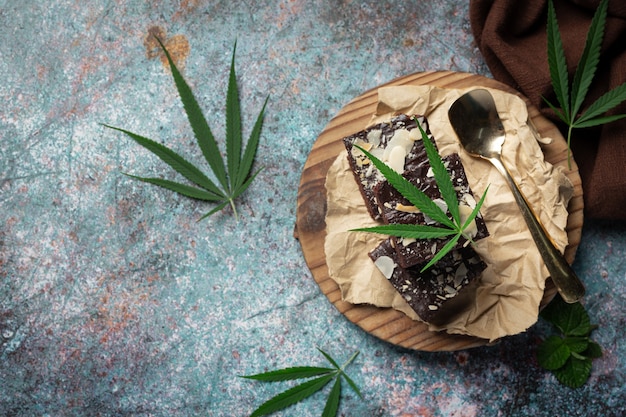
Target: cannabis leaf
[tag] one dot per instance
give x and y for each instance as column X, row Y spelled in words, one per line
column 454, row 227
column 570, row 104
column 235, row 176
column 568, row 355
column 304, row 390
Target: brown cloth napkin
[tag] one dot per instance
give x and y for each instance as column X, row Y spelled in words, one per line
column 511, row 35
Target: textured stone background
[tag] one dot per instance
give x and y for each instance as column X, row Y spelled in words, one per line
column 114, row 301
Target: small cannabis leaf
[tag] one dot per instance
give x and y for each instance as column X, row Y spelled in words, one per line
column 235, row 176
column 570, row 104
column 321, row 377
column 454, row 227
column 569, row 354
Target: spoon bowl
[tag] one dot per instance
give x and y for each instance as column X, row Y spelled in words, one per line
column 475, row 120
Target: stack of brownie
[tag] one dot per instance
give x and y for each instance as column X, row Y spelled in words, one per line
column 399, row 144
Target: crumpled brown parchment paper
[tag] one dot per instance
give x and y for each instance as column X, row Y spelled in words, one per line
column 506, row 299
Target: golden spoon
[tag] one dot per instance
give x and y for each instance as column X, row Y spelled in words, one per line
column 475, row 120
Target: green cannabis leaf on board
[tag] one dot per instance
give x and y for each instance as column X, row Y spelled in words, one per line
column 318, row 378
column 234, row 176
column 571, row 100
column 568, row 355
column 455, row 227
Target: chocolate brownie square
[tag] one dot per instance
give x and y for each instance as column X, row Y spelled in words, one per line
column 438, row 292
column 397, row 143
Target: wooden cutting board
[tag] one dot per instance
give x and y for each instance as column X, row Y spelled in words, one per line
column 385, row 323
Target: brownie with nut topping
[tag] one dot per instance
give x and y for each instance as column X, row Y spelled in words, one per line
column 440, row 291
column 379, row 138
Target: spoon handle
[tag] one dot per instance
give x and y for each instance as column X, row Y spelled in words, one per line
column 563, row 276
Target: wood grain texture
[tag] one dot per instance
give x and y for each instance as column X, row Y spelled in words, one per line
column 385, row 323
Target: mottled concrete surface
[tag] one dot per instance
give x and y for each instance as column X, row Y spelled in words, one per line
column 114, row 301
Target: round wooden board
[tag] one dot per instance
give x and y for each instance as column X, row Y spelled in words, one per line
column 385, row 323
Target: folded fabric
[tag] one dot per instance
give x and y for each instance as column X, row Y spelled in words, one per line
column 512, row 37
